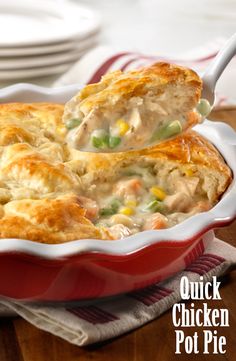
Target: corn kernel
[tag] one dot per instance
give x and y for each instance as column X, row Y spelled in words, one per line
column 61, row 129
column 131, row 203
column 123, row 126
column 188, row 172
column 158, row 192
column 127, row 211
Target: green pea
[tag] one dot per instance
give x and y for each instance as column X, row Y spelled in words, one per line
column 204, row 107
column 97, row 142
column 111, row 209
column 100, row 138
column 114, row 142
column 167, row 131
column 115, row 205
column 106, row 212
column 72, row 123
column 106, row 140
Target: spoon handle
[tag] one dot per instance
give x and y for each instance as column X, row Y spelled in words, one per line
column 218, row 65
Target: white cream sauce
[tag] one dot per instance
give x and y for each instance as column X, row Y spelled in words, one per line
column 126, row 200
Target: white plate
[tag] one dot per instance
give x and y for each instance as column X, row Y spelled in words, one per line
column 49, row 49
column 41, row 60
column 34, row 72
column 26, row 22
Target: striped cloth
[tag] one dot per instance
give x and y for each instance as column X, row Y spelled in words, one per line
column 102, row 60
column 109, row 318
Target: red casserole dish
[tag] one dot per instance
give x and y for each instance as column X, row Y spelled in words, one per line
column 86, row 269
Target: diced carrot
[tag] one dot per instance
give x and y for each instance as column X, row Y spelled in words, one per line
column 128, row 187
column 155, row 221
column 136, row 185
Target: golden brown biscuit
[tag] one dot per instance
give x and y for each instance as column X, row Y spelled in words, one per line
column 31, row 123
column 47, row 220
column 116, row 86
column 187, row 151
column 24, row 166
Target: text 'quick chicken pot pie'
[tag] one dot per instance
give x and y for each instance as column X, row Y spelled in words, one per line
column 53, row 193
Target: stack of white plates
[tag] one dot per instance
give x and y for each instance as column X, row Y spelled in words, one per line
column 39, row 38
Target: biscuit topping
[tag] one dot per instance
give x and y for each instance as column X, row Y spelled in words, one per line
column 135, row 110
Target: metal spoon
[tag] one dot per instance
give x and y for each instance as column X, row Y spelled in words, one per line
column 216, row 68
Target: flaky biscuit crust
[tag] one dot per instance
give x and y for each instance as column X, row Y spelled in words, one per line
column 39, row 193
column 118, row 85
column 158, row 83
column 40, row 176
column 187, row 148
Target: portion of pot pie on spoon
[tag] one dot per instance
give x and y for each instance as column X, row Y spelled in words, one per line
column 135, row 110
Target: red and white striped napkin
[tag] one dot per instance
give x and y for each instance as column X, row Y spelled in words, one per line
column 110, row 318
column 103, row 59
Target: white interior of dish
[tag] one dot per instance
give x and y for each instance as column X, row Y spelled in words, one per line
column 220, row 134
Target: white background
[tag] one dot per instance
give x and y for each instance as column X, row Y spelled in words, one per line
column 160, row 27
column 164, row 26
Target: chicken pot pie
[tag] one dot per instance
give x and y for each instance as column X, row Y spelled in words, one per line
column 136, row 109
column 52, row 193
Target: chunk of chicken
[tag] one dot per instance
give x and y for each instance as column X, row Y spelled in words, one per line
column 79, row 136
column 178, row 202
column 187, row 185
column 128, row 188
column 122, row 219
column 119, row 231
column 202, row 206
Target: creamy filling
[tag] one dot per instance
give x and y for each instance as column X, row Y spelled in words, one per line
column 142, row 199
column 133, row 130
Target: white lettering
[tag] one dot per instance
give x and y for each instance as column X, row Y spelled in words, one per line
column 197, row 316
column 179, row 336
column 211, row 338
column 215, row 314
column 222, row 342
column 207, row 340
column 200, row 317
column 199, row 290
column 206, row 317
column 190, row 343
column 184, row 288
column 216, row 292
column 224, row 317
column 176, row 309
